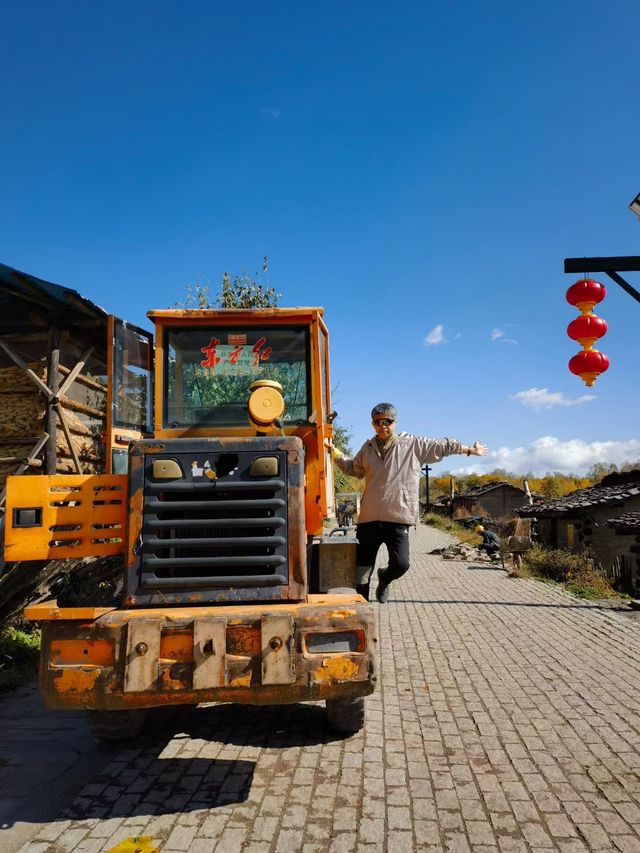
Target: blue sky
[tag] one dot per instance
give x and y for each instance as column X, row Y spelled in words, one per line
column 421, row 170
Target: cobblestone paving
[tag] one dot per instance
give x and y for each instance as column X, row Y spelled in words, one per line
column 508, row 719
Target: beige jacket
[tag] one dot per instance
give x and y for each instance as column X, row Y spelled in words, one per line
column 391, row 484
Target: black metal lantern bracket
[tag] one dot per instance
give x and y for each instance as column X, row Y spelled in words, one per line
column 610, row 266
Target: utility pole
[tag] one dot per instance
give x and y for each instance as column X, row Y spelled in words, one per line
column 452, row 494
column 426, row 470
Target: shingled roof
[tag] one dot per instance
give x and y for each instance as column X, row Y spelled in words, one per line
column 613, row 490
column 488, row 487
column 627, row 523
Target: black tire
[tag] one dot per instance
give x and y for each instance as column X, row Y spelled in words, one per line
column 114, row 726
column 346, row 715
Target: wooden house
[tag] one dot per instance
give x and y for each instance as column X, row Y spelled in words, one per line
column 580, row 521
column 493, row 500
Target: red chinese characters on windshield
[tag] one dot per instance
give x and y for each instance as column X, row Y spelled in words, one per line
column 234, row 354
column 260, row 354
column 210, row 351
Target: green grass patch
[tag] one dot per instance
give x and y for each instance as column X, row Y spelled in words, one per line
column 441, row 522
column 19, row 653
column 575, row 572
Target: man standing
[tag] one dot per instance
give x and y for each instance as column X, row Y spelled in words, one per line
column 391, row 465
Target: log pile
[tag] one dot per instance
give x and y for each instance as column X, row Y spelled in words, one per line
column 22, row 422
column 22, row 411
column 86, row 443
column 22, row 406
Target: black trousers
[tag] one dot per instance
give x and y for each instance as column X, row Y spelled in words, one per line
column 371, row 535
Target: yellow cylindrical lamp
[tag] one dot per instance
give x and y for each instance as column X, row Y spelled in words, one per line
column 266, row 403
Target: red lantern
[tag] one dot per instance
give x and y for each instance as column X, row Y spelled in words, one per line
column 587, row 329
column 586, row 293
column 588, row 365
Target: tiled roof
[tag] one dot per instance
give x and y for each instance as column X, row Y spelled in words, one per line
column 480, row 490
column 627, row 523
column 614, row 489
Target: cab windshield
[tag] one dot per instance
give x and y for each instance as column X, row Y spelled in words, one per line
column 208, row 371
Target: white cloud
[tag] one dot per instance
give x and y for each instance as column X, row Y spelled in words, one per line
column 269, row 113
column 542, row 398
column 548, row 454
column 435, row 336
column 497, row 334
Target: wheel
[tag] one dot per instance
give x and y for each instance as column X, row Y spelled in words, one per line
column 111, row 726
column 346, row 715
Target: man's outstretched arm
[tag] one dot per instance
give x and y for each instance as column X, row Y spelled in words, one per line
column 435, row 449
column 351, row 467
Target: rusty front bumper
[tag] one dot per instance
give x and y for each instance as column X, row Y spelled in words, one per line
column 256, row 654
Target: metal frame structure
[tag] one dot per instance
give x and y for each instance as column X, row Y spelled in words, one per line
column 610, row 266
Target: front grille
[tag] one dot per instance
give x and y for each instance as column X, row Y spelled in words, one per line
column 226, row 532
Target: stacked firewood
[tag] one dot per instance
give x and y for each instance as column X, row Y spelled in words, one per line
column 21, row 404
column 22, row 422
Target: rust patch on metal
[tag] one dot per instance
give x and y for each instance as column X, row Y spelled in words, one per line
column 135, row 523
column 77, row 683
column 332, row 669
column 244, row 640
column 151, row 448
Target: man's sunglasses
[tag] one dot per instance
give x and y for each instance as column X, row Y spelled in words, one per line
column 383, row 422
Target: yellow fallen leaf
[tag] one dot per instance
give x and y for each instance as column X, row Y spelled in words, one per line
column 137, row 844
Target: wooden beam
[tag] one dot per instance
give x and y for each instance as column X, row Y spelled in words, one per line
column 68, row 382
column 75, row 406
column 30, row 458
column 67, row 435
column 35, row 463
column 81, row 379
column 54, row 383
column 32, row 376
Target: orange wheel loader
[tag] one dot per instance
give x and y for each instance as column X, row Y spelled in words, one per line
column 217, row 487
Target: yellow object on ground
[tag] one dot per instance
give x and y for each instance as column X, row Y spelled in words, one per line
column 137, row 844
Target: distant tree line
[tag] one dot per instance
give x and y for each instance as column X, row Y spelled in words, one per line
column 554, row 485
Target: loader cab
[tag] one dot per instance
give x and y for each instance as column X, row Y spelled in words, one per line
column 206, row 361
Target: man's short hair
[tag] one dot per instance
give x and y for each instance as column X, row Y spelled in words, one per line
column 384, row 409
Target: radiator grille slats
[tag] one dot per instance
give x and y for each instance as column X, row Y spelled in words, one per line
column 217, row 533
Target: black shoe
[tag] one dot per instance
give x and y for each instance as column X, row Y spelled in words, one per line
column 363, row 590
column 382, row 590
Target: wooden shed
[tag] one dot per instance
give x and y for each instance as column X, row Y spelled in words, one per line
column 493, row 500
column 75, row 381
column 53, row 378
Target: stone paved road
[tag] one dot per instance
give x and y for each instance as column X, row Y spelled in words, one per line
column 508, row 719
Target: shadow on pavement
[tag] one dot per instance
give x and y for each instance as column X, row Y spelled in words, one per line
column 183, row 761
column 267, row 726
